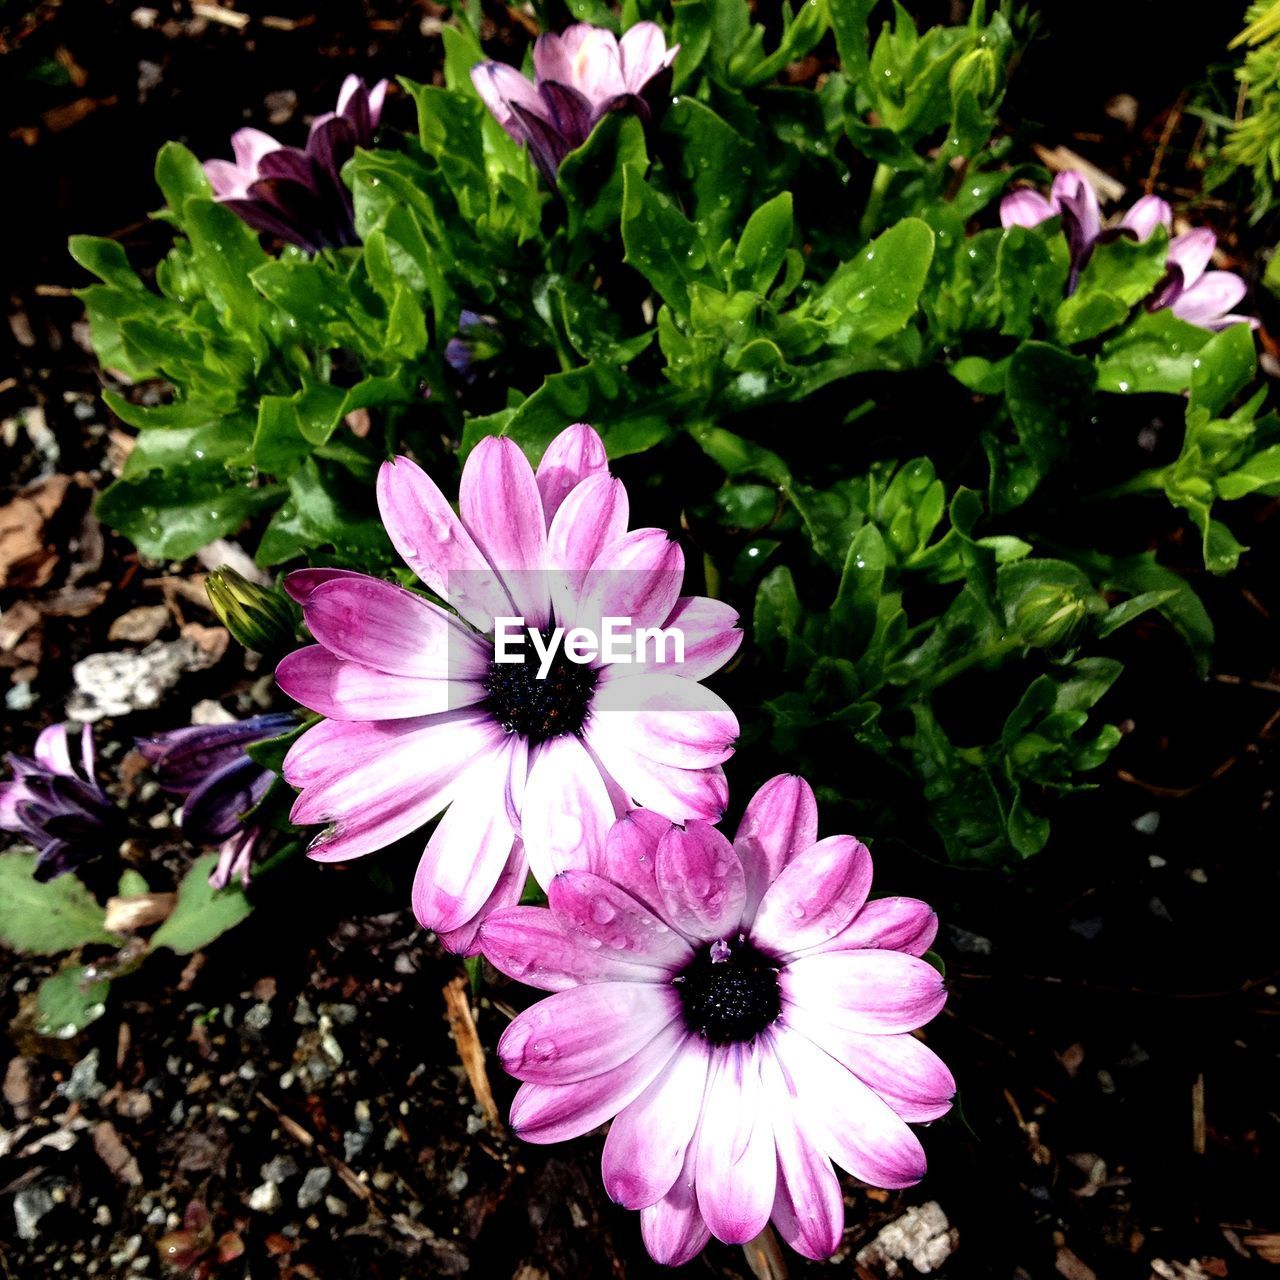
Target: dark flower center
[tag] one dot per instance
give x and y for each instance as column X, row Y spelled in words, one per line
column 729, row 992
column 539, row 709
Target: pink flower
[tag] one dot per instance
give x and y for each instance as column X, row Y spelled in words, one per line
column 740, row 1011
column 421, row 717
column 1192, row 292
column 297, row 193
column 580, row 76
column 1198, row 296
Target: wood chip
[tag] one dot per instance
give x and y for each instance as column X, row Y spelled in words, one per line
column 1197, row 1116
column 115, row 1155
column 140, row 625
column 1060, row 159
column 462, row 1026
column 216, row 13
column 1069, row 1265
column 127, row 915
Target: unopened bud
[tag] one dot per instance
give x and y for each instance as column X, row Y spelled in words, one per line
column 1050, row 614
column 259, row 617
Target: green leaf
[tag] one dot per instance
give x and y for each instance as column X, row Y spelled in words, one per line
column 1084, row 316
column 1184, row 610
column 325, row 508
column 661, row 243
column 1124, row 268
column 1050, row 396
column 591, row 179
column 202, row 913
column 763, row 245
column 715, row 161
column 628, row 421
column 1157, row 352
column 132, row 883
column 179, row 175
column 1031, row 276
column 181, row 489
column 44, row 918
column 1226, row 366
column 69, row 1001
column 876, row 294
column 107, row 260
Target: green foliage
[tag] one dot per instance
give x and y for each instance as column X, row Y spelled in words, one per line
column 741, row 294
column 46, row 918
column 202, row 913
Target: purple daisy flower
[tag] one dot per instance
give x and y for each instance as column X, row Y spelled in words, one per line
column 55, row 802
column 740, row 1011
column 580, row 76
column 1193, row 293
column 297, row 193
column 219, row 781
column 424, row 714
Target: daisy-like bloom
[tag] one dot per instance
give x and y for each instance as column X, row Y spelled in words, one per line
column 740, row 1011
column 55, row 803
column 297, row 193
column 1193, row 293
column 421, row 716
column 579, row 76
column 220, row 783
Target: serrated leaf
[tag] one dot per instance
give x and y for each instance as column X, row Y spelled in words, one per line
column 46, row 918
column 202, row 913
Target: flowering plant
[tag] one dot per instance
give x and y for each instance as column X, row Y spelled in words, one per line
column 685, row 273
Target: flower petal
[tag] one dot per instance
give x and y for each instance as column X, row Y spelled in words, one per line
column 390, row 629
column 673, row 1230
column 379, row 781
column 637, row 576
column 781, row 820
column 855, row 1127
column 1146, row 214
column 675, row 793
column 808, row 1206
column 299, row 584
column 465, row 939
column 583, row 900
column 1025, row 208
column 701, row 881
column 1077, row 199
column 585, row 1031
column 531, row 945
column 500, row 505
column 815, row 896
column 643, row 49
column 904, row 1071
column 566, row 813
column 577, row 452
column 471, row 844
column 711, row 636
column 593, row 515
column 1191, row 253
column 647, row 1143
column 878, row 992
column 341, row 690
column 53, row 750
column 432, row 541
column 630, row 857
column 667, row 718
column 558, row 1112
column 499, row 86
column 887, row 924
column 737, row 1168
column 1210, row 298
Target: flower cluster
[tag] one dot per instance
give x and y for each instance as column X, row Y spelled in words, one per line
column 579, row 76
column 220, row 783
column 297, row 193
column 56, row 803
column 1190, row 290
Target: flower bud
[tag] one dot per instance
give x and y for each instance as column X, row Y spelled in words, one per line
column 1049, row 613
column 259, row 617
column 977, row 74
